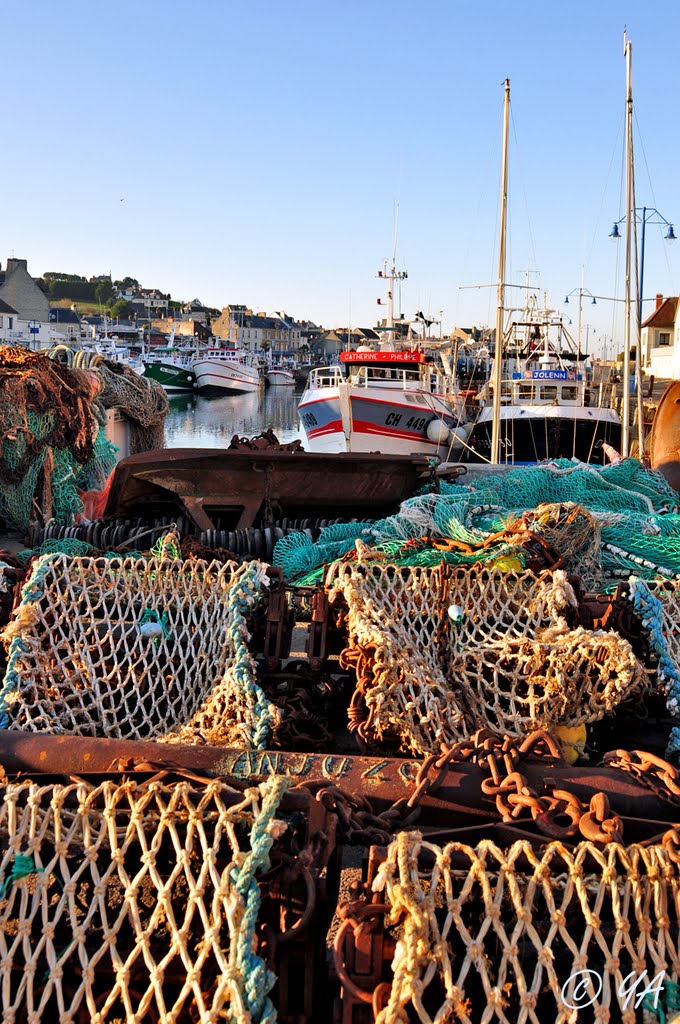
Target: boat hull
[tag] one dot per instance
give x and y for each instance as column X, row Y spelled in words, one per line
column 280, row 379
column 227, row 377
column 350, row 419
column 170, row 377
column 664, row 447
column 535, row 438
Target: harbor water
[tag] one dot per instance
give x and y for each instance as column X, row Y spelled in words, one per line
column 194, row 421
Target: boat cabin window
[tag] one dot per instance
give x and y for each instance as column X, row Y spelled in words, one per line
column 526, row 392
column 549, row 393
column 569, row 393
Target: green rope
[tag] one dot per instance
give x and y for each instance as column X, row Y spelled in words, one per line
column 252, row 971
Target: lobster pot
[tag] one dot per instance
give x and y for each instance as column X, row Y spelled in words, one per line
column 441, row 652
column 136, row 648
column 523, row 936
column 133, row 902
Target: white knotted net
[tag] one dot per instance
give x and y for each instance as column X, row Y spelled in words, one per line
column 137, row 648
column 522, row 936
column 133, row 901
column 440, row 653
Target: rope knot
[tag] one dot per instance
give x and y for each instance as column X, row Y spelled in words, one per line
column 475, row 951
column 546, row 957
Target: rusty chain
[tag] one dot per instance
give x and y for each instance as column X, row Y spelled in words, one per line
column 651, row 770
column 558, row 813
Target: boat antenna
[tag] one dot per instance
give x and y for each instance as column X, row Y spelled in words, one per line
column 498, row 352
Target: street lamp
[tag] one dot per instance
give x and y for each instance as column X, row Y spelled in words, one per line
column 580, row 292
column 644, row 217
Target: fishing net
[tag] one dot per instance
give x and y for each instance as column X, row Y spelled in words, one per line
column 626, row 486
column 141, row 400
column 658, row 605
column 134, row 901
column 604, row 524
column 440, row 653
column 137, row 649
column 525, row 936
column 52, row 443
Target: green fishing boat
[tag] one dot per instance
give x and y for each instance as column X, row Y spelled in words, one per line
column 171, row 368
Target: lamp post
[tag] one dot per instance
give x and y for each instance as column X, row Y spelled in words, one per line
column 644, row 216
column 581, row 292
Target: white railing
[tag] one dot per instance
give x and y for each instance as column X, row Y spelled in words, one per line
column 325, row 377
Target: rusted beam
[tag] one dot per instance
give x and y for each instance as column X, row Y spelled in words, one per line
column 382, row 780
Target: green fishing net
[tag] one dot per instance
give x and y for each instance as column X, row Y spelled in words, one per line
column 629, row 522
column 52, row 442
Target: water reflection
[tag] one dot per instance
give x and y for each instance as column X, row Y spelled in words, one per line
column 197, row 422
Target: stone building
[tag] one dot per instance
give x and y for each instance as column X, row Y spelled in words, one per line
column 22, row 294
column 19, row 290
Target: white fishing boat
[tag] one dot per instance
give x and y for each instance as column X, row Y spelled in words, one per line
column 391, row 401
column 280, row 377
column 230, row 370
column 549, row 407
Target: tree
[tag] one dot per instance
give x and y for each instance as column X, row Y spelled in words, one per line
column 104, row 291
column 127, row 282
column 121, row 310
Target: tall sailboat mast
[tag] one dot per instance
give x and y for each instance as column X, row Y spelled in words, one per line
column 630, row 230
column 500, row 309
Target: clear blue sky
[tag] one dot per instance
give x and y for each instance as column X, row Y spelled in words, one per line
column 259, row 148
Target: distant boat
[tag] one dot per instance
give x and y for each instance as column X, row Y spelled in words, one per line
column 280, row 376
column 226, row 369
column 171, row 367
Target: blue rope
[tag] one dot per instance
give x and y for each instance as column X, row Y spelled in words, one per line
column 32, row 592
column 650, row 610
column 257, row 980
column 248, row 585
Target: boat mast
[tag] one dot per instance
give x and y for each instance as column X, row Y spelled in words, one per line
column 630, row 228
column 390, row 276
column 498, row 352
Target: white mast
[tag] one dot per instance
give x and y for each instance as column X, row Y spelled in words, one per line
column 391, row 276
column 498, row 353
column 630, row 229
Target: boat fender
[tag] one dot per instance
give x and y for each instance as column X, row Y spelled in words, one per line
column 611, row 454
column 438, row 432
